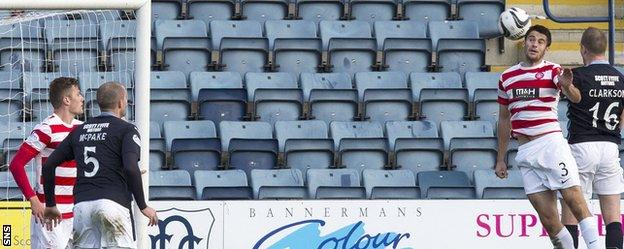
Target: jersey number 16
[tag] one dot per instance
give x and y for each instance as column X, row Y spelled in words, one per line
column 610, row 119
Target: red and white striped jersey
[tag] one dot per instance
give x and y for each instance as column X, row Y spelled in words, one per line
column 44, row 138
column 531, row 94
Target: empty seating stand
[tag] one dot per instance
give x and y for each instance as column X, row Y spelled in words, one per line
column 335, row 184
column 222, row 185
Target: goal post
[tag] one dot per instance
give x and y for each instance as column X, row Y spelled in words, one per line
column 142, row 9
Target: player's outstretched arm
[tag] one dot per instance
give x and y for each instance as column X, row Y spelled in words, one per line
column 503, row 133
column 130, row 156
column 568, row 89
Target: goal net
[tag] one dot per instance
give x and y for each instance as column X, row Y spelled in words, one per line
column 93, row 46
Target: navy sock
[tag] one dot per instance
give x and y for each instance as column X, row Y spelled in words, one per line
column 614, row 235
column 573, row 229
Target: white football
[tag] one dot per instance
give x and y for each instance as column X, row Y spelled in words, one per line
column 514, row 23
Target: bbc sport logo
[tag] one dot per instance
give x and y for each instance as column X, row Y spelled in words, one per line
column 178, row 228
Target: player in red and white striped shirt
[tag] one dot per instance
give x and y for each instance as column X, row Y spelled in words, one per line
column 67, row 101
column 528, row 96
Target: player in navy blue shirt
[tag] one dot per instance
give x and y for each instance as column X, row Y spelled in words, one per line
column 594, row 134
column 107, row 150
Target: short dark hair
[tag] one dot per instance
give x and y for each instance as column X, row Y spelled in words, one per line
column 59, row 88
column 109, row 94
column 594, row 40
column 542, row 30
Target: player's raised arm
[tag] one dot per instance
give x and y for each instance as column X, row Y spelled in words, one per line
column 568, row 89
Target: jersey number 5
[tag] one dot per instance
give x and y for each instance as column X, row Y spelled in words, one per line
column 608, row 116
column 88, row 160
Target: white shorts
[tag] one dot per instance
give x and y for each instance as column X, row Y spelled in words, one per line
column 599, row 168
column 102, row 223
column 59, row 238
column 547, row 163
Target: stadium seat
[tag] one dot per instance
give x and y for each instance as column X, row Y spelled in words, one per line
column 193, row 154
column 305, row 154
column 244, row 55
column 390, row 184
column 310, row 81
column 407, row 54
column 468, row 129
column 343, row 29
column 410, row 129
column 158, row 158
column 279, row 29
column 11, row 191
column 211, row 10
column 340, row 130
column 263, row 10
column 11, row 80
column 167, row 80
column 187, row 54
column 246, row 130
column 439, row 105
column 12, row 109
column 118, row 38
column 483, row 92
column 320, row 10
column 379, row 80
column 255, row 81
column 452, row 30
column 74, row 46
column 352, row 55
column 272, row 105
column 384, row 105
column 419, row 81
column 485, row 13
column 461, row 55
column 249, row 154
column 171, row 185
column 182, row 29
column 363, row 153
column 334, row 184
column 427, row 10
column 214, row 80
column 445, row 185
column 222, row 104
column 489, row 186
column 333, row 105
column 93, row 80
column 35, row 83
column 419, row 154
column 166, row 9
column 155, row 130
column 278, row 184
column 372, row 11
column 14, row 52
column 312, row 129
column 188, row 129
column 385, row 30
column 298, row 55
column 471, row 154
column 233, row 29
column 170, row 105
column 222, row 185
column 481, row 80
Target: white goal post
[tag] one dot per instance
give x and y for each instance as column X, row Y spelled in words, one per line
column 142, row 9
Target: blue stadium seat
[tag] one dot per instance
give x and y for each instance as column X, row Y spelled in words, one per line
column 263, row 10
column 166, row 9
column 170, row 105
column 246, row 130
column 185, row 45
column 272, row 105
column 481, row 80
column 410, row 129
column 390, row 184
column 379, row 80
column 188, row 129
column 310, row 81
column 372, row 11
column 333, row 105
column 158, row 158
column 483, row 90
column 222, row 185
column 340, row 130
column 313, row 129
column 419, row 154
column 363, row 153
column 445, row 185
column 118, row 38
column 211, row 10
column 384, row 105
column 214, row 80
column 12, row 109
column 461, row 55
column 244, row 55
column 279, row 29
column 320, row 10
column 74, row 46
column 249, row 154
column 278, row 184
column 193, row 154
column 399, row 29
column 11, row 191
column 13, row 51
column 155, row 130
column 11, row 80
column 93, row 80
column 171, row 185
column 182, row 29
column 167, row 80
column 419, row 81
column 485, row 13
column 305, row 154
column 222, row 104
column 255, row 81
column 452, row 30
column 407, row 54
column 352, row 55
column 467, row 129
column 439, row 105
column 427, row 10
column 489, row 186
column 470, row 154
column 343, row 29
column 334, row 184
column 233, row 29
column 36, row 82
column 298, row 55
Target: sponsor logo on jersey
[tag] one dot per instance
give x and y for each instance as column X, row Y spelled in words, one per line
column 539, row 75
column 607, row 80
column 525, row 93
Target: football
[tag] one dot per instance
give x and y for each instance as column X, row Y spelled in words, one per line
column 514, row 23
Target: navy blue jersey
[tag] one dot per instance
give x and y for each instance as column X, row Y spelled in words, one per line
column 99, row 147
column 597, row 116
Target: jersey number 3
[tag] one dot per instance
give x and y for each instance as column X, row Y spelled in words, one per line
column 88, row 160
column 611, row 120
